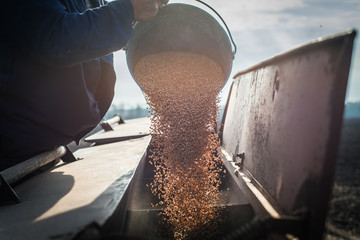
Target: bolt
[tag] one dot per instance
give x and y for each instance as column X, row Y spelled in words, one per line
column 239, row 160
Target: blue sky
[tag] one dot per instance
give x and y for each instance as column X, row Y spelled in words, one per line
column 264, row 28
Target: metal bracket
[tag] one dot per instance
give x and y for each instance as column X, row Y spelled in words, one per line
column 269, row 218
column 7, row 194
column 68, row 157
column 106, row 125
column 239, row 160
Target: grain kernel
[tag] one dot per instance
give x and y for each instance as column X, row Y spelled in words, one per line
column 182, row 92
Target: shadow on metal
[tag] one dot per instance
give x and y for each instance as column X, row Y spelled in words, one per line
column 283, row 117
column 12, row 175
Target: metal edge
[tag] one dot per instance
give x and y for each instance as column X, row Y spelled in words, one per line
column 319, row 212
column 271, row 218
column 221, row 127
column 258, row 201
column 101, row 141
column 349, row 33
column 114, row 223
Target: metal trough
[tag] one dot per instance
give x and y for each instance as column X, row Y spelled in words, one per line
column 280, row 135
column 136, row 218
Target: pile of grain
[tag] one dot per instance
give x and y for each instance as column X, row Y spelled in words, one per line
column 182, row 92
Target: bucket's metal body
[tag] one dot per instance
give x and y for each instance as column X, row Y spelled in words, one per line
column 181, row 28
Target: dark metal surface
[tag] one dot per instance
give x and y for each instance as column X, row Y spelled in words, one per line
column 7, row 194
column 285, row 115
column 68, row 156
column 181, row 27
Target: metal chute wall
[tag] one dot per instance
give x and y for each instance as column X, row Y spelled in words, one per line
column 285, row 114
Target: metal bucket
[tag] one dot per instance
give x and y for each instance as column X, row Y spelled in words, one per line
column 181, row 28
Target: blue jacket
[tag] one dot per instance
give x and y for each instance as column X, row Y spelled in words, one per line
column 56, row 73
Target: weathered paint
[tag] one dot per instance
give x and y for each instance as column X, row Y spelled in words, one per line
column 285, row 114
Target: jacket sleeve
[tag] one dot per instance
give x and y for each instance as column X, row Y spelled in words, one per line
column 52, row 35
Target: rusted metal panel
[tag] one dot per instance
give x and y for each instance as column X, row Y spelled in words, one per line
column 285, row 114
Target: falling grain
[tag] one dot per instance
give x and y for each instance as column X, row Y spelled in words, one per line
column 182, row 92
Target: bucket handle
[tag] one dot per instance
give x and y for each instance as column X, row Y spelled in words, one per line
column 227, row 29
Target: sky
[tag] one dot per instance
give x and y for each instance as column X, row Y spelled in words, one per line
column 262, row 29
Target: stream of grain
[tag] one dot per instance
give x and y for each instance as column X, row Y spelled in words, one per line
column 182, row 92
